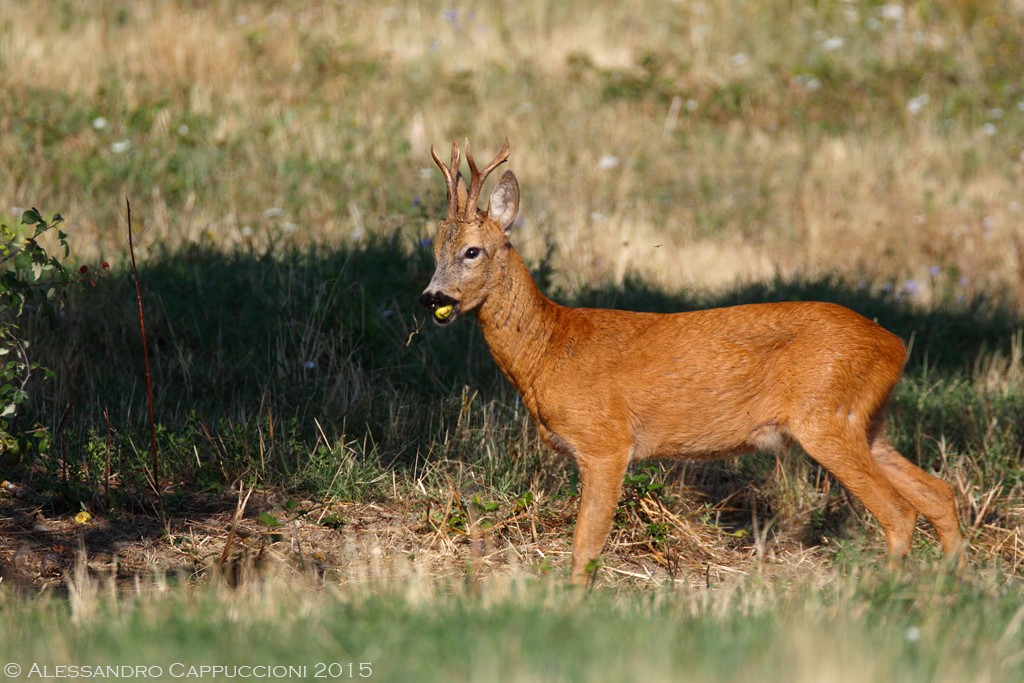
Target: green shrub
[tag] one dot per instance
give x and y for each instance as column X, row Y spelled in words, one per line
column 30, row 277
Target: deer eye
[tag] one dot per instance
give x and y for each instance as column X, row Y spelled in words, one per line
column 471, row 253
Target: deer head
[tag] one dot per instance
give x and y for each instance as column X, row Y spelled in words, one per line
column 472, row 246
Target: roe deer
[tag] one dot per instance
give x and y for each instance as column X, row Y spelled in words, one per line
column 612, row 387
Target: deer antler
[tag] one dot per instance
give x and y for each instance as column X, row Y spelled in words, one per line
column 451, row 179
column 477, row 177
column 476, row 182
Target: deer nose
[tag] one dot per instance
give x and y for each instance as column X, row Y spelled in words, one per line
column 434, row 300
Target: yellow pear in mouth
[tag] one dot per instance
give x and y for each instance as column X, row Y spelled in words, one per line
column 443, row 312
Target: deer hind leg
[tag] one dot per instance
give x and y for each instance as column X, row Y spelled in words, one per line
column 930, row 495
column 845, row 453
column 601, row 488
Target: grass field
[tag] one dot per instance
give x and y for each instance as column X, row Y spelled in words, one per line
column 864, row 627
column 379, row 475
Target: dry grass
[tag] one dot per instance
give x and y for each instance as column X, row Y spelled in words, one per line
column 681, row 142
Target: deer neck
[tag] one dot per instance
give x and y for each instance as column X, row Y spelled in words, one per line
column 518, row 323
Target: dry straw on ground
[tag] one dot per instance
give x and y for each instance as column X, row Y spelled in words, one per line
column 694, row 540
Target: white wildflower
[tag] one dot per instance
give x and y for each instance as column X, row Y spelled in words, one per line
column 916, row 104
column 892, row 12
column 808, row 83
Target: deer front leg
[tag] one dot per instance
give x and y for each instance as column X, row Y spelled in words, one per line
column 601, row 483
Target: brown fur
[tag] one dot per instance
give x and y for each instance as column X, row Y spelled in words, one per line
column 612, row 387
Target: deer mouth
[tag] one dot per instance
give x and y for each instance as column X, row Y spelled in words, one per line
column 443, row 308
column 443, row 315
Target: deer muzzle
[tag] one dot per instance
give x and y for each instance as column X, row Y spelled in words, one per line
column 442, row 307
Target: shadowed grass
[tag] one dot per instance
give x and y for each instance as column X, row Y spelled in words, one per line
column 330, row 381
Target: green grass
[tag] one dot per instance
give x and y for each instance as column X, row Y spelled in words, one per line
column 859, row 627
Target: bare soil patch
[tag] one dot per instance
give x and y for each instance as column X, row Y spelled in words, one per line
column 39, row 550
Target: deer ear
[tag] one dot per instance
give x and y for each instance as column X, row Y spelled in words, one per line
column 460, row 194
column 504, row 203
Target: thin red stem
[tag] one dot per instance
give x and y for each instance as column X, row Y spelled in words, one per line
column 145, row 351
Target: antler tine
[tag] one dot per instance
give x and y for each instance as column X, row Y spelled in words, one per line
column 455, row 163
column 451, row 179
column 477, row 177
